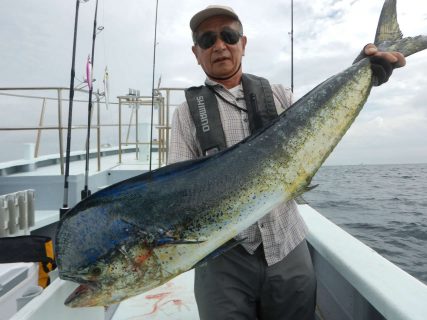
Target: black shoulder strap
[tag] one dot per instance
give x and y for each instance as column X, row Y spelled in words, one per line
column 205, row 114
column 259, row 101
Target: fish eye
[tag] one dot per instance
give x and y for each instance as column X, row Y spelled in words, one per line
column 95, row 271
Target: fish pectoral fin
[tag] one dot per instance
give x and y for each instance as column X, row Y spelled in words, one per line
column 310, row 187
column 174, row 241
column 188, row 241
column 224, row 248
column 304, row 189
column 298, row 194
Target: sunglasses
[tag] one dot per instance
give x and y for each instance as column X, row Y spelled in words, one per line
column 208, row 39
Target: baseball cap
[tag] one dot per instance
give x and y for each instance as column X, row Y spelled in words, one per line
column 210, row 11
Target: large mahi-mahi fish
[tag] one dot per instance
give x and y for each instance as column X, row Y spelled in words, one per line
column 139, row 233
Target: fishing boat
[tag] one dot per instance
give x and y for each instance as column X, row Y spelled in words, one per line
column 354, row 282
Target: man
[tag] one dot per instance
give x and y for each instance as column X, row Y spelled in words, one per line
column 270, row 274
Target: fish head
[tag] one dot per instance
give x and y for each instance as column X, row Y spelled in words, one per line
column 108, row 257
column 122, row 274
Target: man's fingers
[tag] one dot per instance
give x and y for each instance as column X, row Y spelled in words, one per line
column 389, row 56
column 395, row 58
column 370, row 49
column 401, row 61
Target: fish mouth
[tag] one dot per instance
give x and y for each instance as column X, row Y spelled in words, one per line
column 75, row 300
column 81, row 296
column 85, row 295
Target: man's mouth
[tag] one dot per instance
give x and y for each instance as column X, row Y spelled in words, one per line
column 221, row 59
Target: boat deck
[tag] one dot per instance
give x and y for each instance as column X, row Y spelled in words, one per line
column 354, row 282
column 171, row 301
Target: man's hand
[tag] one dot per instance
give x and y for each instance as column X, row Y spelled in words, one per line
column 382, row 63
column 395, row 58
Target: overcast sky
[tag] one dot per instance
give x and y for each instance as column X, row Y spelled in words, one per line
column 36, row 46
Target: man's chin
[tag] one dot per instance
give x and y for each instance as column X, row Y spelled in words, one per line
column 222, row 74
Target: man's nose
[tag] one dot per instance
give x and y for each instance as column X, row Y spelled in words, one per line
column 219, row 44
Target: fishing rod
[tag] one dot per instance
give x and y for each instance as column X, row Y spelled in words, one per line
column 86, row 192
column 65, row 208
column 152, row 86
column 292, row 46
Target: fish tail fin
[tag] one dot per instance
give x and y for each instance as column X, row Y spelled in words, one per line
column 388, row 27
column 389, row 37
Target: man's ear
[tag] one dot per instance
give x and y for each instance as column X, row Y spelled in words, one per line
column 194, row 49
column 244, row 40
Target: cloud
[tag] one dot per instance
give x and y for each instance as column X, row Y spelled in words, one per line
column 37, row 41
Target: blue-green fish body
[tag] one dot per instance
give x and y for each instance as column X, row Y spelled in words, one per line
column 140, row 233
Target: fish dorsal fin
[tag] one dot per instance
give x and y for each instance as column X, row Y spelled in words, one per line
column 388, row 27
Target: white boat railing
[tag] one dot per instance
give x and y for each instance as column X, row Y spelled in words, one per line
column 41, row 95
column 395, row 294
column 47, row 91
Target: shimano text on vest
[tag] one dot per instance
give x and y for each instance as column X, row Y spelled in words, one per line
column 202, row 113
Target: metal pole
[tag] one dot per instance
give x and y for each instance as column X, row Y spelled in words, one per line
column 64, row 208
column 136, row 130
column 161, row 129
column 39, row 131
column 152, row 87
column 120, row 130
column 98, row 131
column 129, row 126
column 86, row 192
column 167, row 124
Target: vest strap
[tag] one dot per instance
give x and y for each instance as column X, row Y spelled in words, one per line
column 259, row 101
column 204, row 111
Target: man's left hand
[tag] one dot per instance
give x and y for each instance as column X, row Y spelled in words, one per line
column 382, row 63
column 395, row 58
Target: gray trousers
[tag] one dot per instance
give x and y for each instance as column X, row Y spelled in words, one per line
column 237, row 286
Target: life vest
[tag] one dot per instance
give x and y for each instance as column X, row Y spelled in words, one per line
column 203, row 106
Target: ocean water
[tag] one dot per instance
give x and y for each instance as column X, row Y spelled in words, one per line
column 384, row 206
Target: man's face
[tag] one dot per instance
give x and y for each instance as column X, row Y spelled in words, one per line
column 221, row 60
